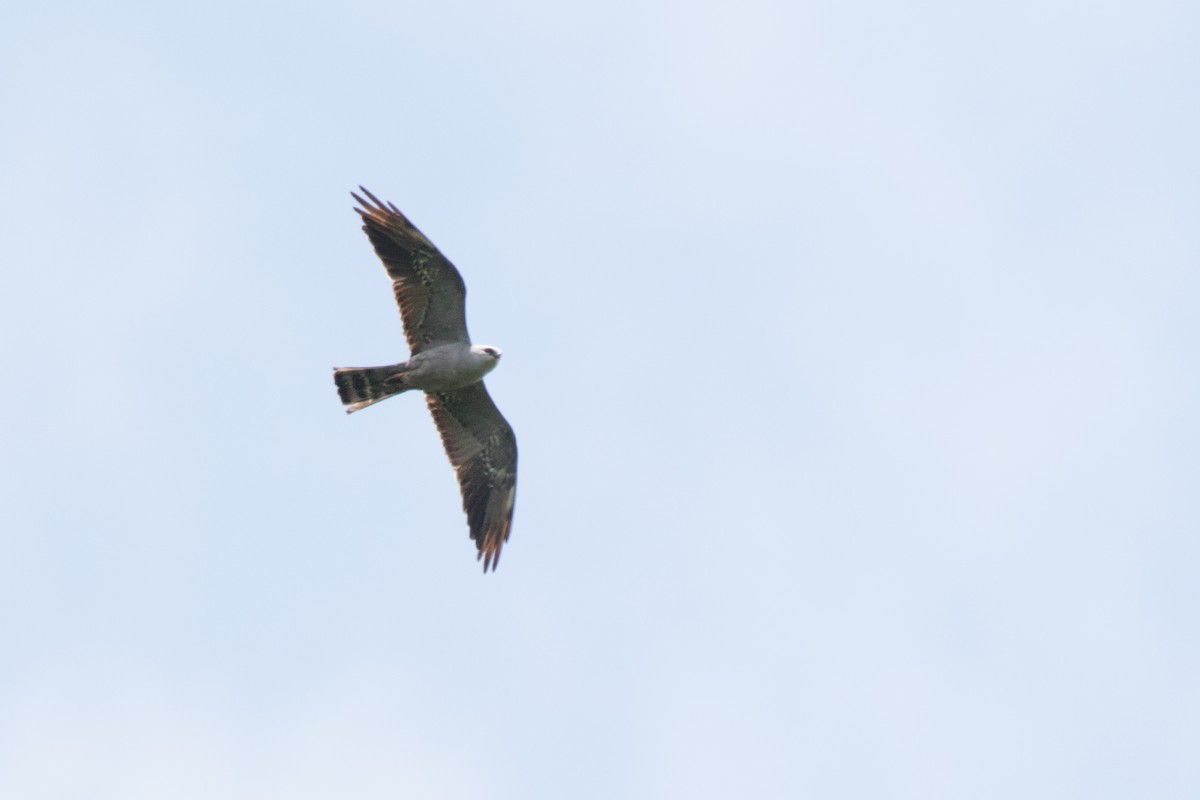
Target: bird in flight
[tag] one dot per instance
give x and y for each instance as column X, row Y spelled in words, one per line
column 447, row 368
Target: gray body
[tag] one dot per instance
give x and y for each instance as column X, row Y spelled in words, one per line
column 449, row 366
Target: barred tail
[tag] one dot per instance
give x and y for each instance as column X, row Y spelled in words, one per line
column 360, row 387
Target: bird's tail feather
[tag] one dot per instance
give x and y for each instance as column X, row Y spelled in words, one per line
column 360, row 387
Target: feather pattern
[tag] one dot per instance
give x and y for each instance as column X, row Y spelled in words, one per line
column 483, row 451
column 429, row 290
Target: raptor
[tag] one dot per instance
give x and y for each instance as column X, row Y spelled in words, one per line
column 446, row 367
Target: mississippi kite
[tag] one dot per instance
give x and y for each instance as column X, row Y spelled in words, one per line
column 447, row 367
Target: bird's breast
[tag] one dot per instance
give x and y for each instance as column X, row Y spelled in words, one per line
column 443, row 369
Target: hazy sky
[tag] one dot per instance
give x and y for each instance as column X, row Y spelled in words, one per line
column 851, row 349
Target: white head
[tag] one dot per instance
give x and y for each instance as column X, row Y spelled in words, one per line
column 488, row 355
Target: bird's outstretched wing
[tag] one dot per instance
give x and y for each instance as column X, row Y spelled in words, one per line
column 483, row 450
column 430, row 292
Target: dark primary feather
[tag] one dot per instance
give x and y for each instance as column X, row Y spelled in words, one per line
column 430, row 292
column 483, row 450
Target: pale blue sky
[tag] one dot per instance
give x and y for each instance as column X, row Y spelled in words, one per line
column 851, row 349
